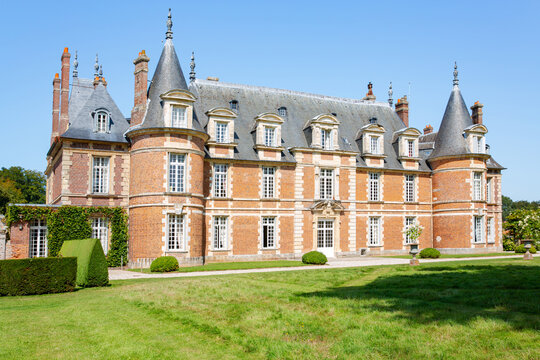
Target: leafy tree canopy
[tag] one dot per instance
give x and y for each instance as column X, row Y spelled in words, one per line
column 508, row 205
column 18, row 185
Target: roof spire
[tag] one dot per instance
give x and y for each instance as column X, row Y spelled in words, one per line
column 96, row 66
column 168, row 34
column 75, row 66
column 390, row 93
column 456, row 81
column 100, row 71
column 192, row 66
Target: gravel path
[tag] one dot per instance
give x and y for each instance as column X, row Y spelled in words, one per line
column 332, row 264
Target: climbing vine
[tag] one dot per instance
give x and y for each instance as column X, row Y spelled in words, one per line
column 73, row 222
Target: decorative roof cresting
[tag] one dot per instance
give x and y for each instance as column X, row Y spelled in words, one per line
column 168, row 34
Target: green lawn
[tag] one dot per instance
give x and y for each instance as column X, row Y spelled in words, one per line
column 235, row 266
column 458, row 256
column 484, row 309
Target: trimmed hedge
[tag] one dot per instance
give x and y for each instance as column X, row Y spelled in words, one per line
column 429, row 253
column 91, row 262
column 37, row 276
column 314, row 257
column 164, row 264
column 521, row 249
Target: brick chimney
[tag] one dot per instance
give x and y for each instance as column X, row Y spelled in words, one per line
column 428, row 129
column 369, row 94
column 55, row 107
column 64, row 93
column 402, row 109
column 141, row 88
column 477, row 113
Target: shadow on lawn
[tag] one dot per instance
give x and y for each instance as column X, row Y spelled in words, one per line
column 447, row 294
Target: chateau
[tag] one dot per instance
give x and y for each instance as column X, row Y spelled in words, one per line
column 214, row 171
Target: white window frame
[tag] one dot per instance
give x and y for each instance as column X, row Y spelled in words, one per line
column 325, row 233
column 479, row 145
column 326, row 184
column 220, row 238
column 177, row 172
column 374, row 231
column 410, row 148
column 222, row 132
column 477, row 186
column 409, row 221
column 102, row 121
column 410, row 184
column 178, row 116
column 100, row 175
column 478, row 230
column 374, row 186
column 489, row 189
column 268, row 182
column 327, row 142
column 490, row 229
column 176, row 232
column 220, row 180
column 374, row 146
column 268, row 232
column 38, row 239
column 270, row 136
column 100, row 231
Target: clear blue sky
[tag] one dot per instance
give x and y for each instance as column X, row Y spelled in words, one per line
column 333, row 48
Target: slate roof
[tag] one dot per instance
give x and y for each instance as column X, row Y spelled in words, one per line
column 352, row 114
column 83, row 102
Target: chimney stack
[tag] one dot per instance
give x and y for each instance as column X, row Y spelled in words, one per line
column 402, row 109
column 141, row 88
column 370, row 96
column 55, row 107
column 428, row 129
column 477, row 113
column 64, row 93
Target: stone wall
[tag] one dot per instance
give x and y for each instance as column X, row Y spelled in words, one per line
column 3, row 230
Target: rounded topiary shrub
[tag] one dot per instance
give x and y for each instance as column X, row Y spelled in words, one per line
column 314, row 257
column 164, row 264
column 521, row 249
column 429, row 253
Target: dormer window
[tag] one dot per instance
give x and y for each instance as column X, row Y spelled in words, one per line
column 324, row 131
column 282, row 111
column 410, row 148
column 479, row 147
column 406, row 140
column 374, row 145
column 233, row 104
column 475, row 135
column 178, row 117
column 222, row 132
column 102, row 121
column 371, row 137
column 326, row 139
column 269, row 136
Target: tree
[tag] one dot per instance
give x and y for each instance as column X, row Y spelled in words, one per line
column 508, row 206
column 18, row 185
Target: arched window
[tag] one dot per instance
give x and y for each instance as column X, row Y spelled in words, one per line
column 282, row 111
column 102, row 121
column 233, row 105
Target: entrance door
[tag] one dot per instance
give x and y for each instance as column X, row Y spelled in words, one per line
column 325, row 237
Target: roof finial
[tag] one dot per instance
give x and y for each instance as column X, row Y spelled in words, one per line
column 456, row 81
column 168, row 34
column 96, row 66
column 100, row 71
column 75, row 66
column 192, row 66
column 390, row 93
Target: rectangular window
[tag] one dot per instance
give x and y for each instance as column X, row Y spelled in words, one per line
column 373, row 187
column 374, row 231
column 409, row 188
column 478, row 145
column 374, row 144
column 325, row 233
column 326, row 139
column 478, row 233
column 100, row 230
column 220, row 180
column 477, row 183
column 269, row 136
column 489, row 190
column 222, row 135
column 410, row 148
column 38, row 239
column 490, row 228
column 100, row 181
column 176, row 172
column 326, row 184
column 220, row 232
column 175, row 239
column 178, row 116
column 409, row 221
column 268, row 180
column 101, row 122
column 268, row 232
